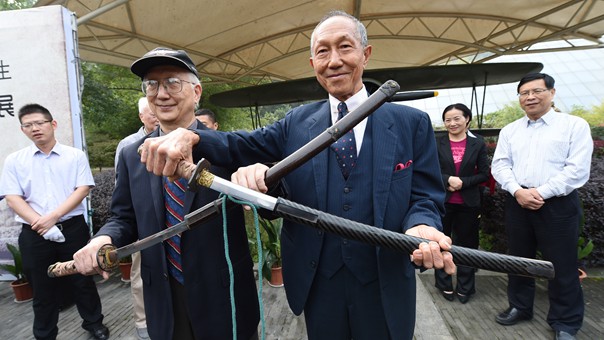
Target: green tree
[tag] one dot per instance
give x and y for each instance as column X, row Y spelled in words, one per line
column 501, row 118
column 8, row 5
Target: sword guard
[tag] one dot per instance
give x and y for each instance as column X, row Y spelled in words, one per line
column 194, row 182
column 107, row 258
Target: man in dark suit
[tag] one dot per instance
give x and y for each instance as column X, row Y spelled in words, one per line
column 347, row 289
column 186, row 279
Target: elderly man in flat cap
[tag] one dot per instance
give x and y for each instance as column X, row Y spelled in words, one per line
column 186, row 278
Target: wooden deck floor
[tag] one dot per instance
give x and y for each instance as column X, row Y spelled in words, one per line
column 437, row 318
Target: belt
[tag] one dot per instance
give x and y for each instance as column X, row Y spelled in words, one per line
column 70, row 222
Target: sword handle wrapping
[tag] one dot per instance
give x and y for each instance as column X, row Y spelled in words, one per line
column 62, row 269
column 106, row 259
column 405, row 243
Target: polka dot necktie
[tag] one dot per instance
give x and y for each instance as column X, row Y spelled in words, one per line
column 174, row 197
column 345, row 148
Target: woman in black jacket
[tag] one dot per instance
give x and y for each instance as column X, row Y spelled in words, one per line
column 463, row 165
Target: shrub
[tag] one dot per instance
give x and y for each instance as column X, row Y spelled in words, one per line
column 100, row 198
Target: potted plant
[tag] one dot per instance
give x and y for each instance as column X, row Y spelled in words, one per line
column 125, row 268
column 271, row 249
column 21, row 287
column 584, row 247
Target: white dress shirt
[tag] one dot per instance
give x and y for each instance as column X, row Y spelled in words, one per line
column 45, row 181
column 552, row 154
column 352, row 103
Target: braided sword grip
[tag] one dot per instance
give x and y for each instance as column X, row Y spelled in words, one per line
column 406, row 243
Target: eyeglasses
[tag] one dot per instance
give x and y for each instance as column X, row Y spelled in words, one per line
column 38, row 124
column 171, row 85
column 535, row 92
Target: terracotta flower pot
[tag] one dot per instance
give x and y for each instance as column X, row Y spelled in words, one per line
column 125, row 270
column 276, row 277
column 582, row 275
column 23, row 291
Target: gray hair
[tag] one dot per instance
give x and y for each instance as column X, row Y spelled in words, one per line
column 361, row 31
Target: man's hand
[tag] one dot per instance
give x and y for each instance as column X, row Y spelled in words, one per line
column 162, row 154
column 434, row 254
column 42, row 224
column 529, row 199
column 251, row 176
column 86, row 258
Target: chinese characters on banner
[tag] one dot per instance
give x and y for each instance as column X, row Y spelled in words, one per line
column 6, row 99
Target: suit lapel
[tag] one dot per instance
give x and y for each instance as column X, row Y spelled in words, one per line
column 384, row 140
column 190, row 195
column 322, row 120
column 470, row 147
column 157, row 192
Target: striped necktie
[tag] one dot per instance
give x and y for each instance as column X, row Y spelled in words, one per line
column 174, row 197
column 345, row 148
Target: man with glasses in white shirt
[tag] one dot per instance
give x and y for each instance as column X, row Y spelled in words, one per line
column 45, row 184
column 542, row 159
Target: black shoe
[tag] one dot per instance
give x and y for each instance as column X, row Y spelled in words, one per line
column 463, row 298
column 100, row 332
column 447, row 295
column 562, row 335
column 511, row 316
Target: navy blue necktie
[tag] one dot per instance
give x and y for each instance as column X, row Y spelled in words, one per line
column 174, row 197
column 345, row 148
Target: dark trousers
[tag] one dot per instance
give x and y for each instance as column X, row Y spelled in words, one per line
column 341, row 307
column 38, row 254
column 553, row 230
column 182, row 323
column 461, row 223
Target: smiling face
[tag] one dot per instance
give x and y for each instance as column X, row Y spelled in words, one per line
column 338, row 57
column 456, row 123
column 536, row 105
column 41, row 131
column 173, row 110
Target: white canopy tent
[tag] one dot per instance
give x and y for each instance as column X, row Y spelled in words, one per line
column 250, row 41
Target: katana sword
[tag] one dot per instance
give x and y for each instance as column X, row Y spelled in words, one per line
column 108, row 256
column 369, row 234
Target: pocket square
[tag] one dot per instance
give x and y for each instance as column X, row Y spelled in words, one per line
column 401, row 166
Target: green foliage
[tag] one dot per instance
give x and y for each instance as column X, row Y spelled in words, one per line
column 110, row 100
column 16, row 269
column 595, row 116
column 271, row 248
column 8, row 5
column 584, row 247
column 270, row 236
column 501, row 118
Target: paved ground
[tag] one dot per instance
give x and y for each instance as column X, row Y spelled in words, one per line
column 436, row 318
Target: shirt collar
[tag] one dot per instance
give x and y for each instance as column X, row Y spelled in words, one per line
column 33, row 149
column 547, row 118
column 352, row 103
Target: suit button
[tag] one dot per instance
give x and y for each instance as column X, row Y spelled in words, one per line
column 347, row 190
column 165, row 276
column 345, row 241
column 313, row 264
column 320, row 232
column 346, row 207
